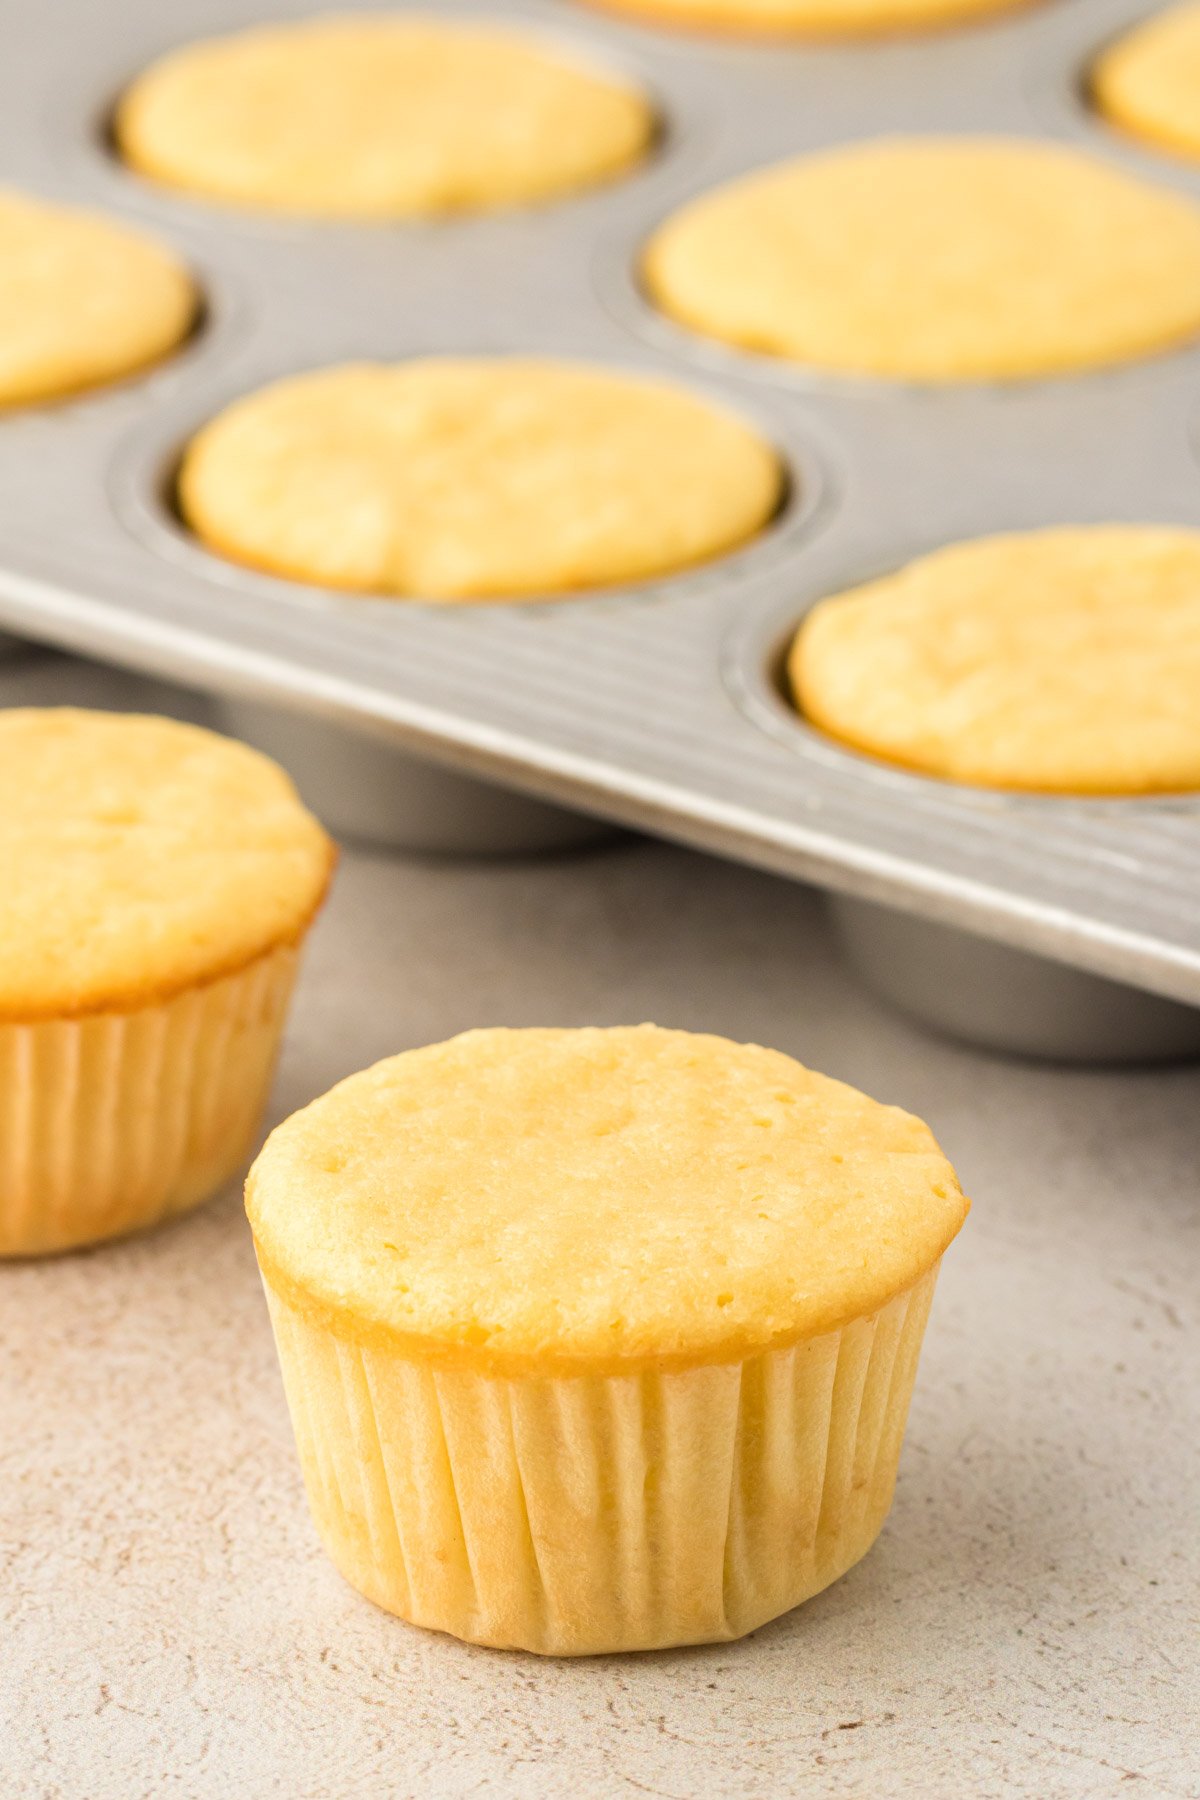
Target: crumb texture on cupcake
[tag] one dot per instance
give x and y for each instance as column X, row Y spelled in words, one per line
column 936, row 260
column 597, row 1199
column 1148, row 81
column 1066, row 661
column 146, row 856
column 478, row 478
column 84, row 300
column 810, row 18
column 376, row 117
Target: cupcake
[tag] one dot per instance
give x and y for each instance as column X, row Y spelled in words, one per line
column 1148, row 81
column 1064, row 661
column 375, row 117
column 161, row 883
column 602, row 1339
column 936, row 259
column 475, row 478
column 85, row 300
column 810, row 18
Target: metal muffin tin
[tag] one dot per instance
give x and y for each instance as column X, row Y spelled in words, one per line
column 656, row 704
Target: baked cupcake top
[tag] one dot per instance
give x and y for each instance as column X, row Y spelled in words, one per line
column 1066, row 661
column 595, row 1199
column 475, row 478
column 376, row 117
column 936, row 260
column 810, row 18
column 143, row 856
column 1148, row 82
column 84, row 300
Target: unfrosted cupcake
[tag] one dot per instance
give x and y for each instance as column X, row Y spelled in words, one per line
column 1064, row 661
column 85, row 300
column 376, row 116
column 810, row 18
column 936, row 259
column 602, row 1339
column 1147, row 81
column 476, row 478
column 160, row 880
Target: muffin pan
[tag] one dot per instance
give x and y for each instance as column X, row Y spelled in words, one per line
column 658, row 705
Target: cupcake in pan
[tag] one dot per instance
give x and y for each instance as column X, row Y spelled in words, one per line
column 377, row 117
column 455, row 479
column 1148, row 81
column 936, row 259
column 810, row 18
column 160, row 883
column 599, row 1339
column 85, row 300
column 475, row 478
column 1063, row 661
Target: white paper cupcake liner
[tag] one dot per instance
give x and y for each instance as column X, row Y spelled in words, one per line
column 577, row 1514
column 113, row 1121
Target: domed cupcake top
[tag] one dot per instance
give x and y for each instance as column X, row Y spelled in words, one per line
column 85, row 299
column 372, row 117
column 1147, row 80
column 1065, row 660
column 595, row 1200
column 476, row 478
column 936, row 259
column 142, row 855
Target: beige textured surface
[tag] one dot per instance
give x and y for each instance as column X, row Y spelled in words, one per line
column 1026, row 1625
column 378, row 118
column 936, row 259
column 84, row 299
column 475, row 478
column 152, row 855
column 1148, row 81
column 589, row 1201
column 810, row 18
column 1066, row 661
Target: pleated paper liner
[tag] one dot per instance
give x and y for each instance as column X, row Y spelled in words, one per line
column 577, row 1514
column 114, row 1121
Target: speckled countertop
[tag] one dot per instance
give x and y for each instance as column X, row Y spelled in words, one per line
column 1029, row 1622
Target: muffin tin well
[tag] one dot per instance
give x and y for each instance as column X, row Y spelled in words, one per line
column 654, row 704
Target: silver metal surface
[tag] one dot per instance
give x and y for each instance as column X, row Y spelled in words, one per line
column 656, row 704
column 368, row 791
column 987, row 993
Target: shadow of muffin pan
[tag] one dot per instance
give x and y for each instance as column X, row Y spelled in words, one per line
column 624, row 704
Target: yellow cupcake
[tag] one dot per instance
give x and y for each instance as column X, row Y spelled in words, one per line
column 370, row 117
column 936, row 260
column 810, row 18
column 161, row 880
column 598, row 1340
column 83, row 300
column 1148, row 82
column 1065, row 661
column 475, row 479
